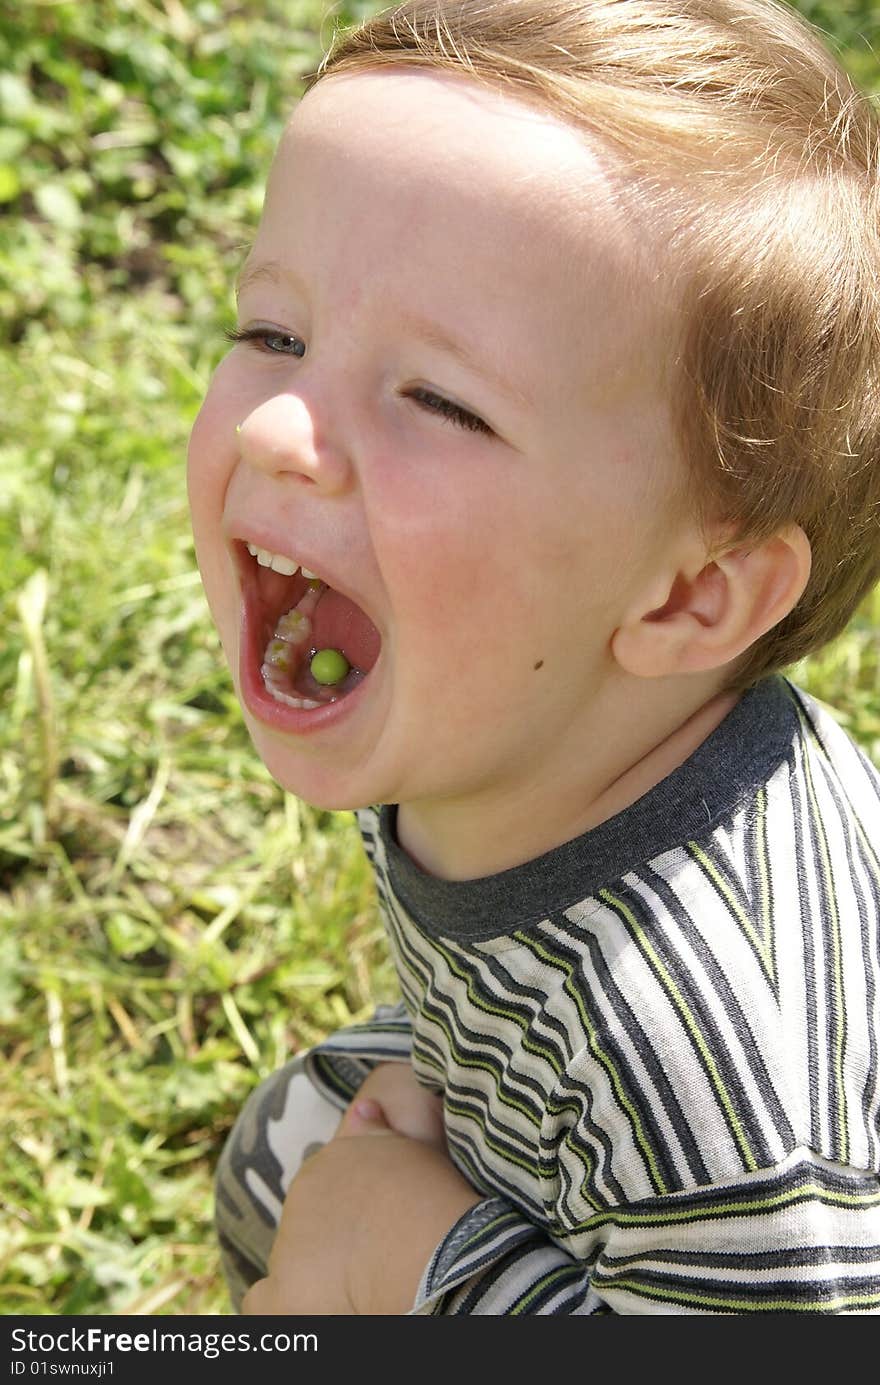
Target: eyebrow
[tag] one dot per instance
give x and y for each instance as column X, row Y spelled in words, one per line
column 429, row 333
column 249, row 274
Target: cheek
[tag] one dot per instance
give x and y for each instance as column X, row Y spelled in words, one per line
column 209, row 440
column 211, row 456
column 213, row 437
column 210, row 461
column 472, row 579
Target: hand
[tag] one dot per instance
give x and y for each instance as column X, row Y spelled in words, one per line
column 360, row 1222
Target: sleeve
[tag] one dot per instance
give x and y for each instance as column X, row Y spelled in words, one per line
column 339, row 1065
column 801, row 1237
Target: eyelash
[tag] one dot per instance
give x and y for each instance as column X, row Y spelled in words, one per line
column 436, row 403
column 446, row 410
column 264, row 335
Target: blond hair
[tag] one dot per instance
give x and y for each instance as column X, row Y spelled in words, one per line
column 758, row 158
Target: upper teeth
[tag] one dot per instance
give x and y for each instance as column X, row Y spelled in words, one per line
column 276, row 561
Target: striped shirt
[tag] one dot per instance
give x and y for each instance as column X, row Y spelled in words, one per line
column 657, row 1044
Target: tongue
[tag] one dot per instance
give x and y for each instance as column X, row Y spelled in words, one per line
column 339, row 624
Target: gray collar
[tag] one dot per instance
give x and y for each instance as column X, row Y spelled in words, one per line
column 741, row 754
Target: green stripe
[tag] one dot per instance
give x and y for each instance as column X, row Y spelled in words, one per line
column 603, row 1057
column 530, row 1165
column 548, row 1164
column 488, row 1007
column 745, row 923
column 773, row 1201
column 839, row 1015
column 330, row 1076
column 429, row 1060
column 565, row 1272
column 766, row 907
column 739, row 1305
column 691, row 1026
column 464, row 1062
column 485, row 1233
column 762, row 939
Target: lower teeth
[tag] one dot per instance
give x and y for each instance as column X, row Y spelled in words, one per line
column 305, row 703
column 285, row 653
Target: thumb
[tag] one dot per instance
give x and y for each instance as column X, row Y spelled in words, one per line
column 364, row 1117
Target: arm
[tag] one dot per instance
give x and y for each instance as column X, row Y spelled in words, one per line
column 385, row 1224
column 364, row 1213
column 802, row 1236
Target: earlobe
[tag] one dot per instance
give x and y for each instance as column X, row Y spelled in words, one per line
column 711, row 618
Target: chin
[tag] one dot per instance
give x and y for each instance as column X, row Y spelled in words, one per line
column 315, row 782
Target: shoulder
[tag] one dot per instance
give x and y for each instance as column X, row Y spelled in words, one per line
column 826, row 743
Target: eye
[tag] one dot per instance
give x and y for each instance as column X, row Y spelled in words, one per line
column 437, row 404
column 278, row 343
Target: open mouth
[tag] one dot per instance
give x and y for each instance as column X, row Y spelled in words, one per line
column 313, row 644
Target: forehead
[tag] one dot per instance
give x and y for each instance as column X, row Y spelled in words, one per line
column 444, row 141
column 494, row 214
column 388, row 114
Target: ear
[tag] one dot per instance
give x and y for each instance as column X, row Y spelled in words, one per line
column 715, row 612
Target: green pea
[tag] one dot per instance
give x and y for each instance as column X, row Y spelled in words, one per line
column 328, row 666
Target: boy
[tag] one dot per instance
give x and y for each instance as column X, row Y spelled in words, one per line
column 549, row 437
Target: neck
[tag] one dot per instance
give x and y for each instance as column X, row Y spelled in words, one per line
column 616, row 760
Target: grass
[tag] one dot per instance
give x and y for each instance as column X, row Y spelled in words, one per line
column 172, row 925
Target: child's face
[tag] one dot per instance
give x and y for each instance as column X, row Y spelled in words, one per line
column 425, row 240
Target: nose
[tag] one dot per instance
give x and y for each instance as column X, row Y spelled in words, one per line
column 280, row 437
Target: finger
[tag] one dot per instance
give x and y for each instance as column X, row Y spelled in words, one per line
column 364, row 1117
